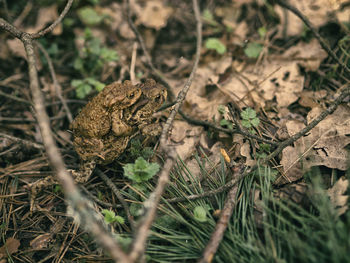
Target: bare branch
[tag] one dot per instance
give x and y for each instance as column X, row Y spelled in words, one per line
column 153, row 201
column 10, row 28
column 55, row 23
column 221, row 225
column 78, row 202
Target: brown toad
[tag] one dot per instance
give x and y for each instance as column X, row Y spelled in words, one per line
column 103, row 128
column 105, row 125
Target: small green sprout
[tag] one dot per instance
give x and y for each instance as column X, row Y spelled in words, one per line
column 249, row 119
column 89, row 16
column 253, row 50
column 200, row 214
column 216, row 44
column 110, row 217
column 141, row 170
column 84, row 86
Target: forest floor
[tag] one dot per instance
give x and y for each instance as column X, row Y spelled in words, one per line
column 269, row 100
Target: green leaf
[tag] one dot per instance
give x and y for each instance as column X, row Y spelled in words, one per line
column 109, row 216
column 253, row 50
column 57, row 189
column 248, row 113
column 109, row 54
column 209, row 18
column 99, row 195
column 89, row 16
column 94, row 46
column 78, row 64
column 264, row 147
column 226, row 123
column 208, row 15
column 68, row 22
column 99, row 86
column 221, row 109
column 246, row 124
column 76, row 82
column 262, row 32
column 83, row 90
column 141, row 170
column 255, row 122
column 136, row 209
column 216, row 44
column 200, row 214
column 93, row 82
column 120, row 220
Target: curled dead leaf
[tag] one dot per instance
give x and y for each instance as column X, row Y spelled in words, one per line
column 11, row 246
column 155, row 14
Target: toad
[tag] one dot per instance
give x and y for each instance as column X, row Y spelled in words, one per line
column 104, row 127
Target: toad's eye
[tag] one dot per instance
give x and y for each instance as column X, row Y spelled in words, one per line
column 157, row 98
column 131, row 95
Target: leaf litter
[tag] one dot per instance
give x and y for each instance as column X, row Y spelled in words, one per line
column 273, row 84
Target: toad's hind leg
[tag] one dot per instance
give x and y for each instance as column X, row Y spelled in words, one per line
column 84, row 173
column 81, row 176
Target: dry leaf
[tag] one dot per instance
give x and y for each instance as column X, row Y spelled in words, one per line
column 324, row 145
column 16, row 47
column 186, row 138
column 213, row 154
column 336, row 194
column 154, row 14
column 200, row 103
column 246, row 152
column 308, row 55
column 261, row 83
column 319, row 12
column 276, row 77
column 310, row 98
column 116, row 21
column 11, row 246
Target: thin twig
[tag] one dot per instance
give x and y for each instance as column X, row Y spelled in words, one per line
column 323, row 43
column 151, row 204
column 26, row 10
column 15, row 98
column 24, row 142
column 55, row 23
column 57, row 86
column 345, row 92
column 6, row 10
column 132, row 64
column 238, row 129
column 118, row 195
column 221, row 225
column 159, row 75
column 94, row 198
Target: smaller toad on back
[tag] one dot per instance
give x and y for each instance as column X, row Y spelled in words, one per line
column 105, row 125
